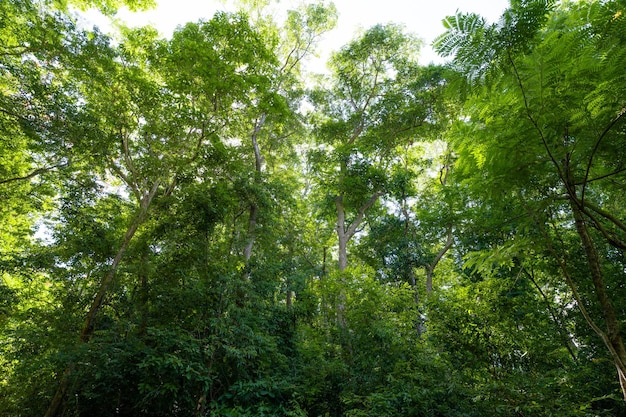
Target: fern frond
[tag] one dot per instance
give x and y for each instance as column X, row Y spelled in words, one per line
column 462, row 30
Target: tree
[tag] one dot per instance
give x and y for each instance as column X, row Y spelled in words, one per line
column 365, row 114
column 158, row 112
column 273, row 118
column 190, row 194
column 545, row 136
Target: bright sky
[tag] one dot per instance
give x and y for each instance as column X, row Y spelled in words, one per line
column 422, row 17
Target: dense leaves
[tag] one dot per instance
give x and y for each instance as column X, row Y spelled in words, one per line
column 193, row 226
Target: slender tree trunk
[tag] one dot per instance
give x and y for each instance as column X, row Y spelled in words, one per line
column 144, row 205
column 342, row 236
column 430, row 269
column 325, row 309
column 252, row 219
column 566, row 339
column 258, row 168
column 143, row 294
column 88, row 326
column 613, row 339
column 342, row 259
column 419, row 322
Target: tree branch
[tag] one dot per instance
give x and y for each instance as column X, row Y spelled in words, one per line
column 361, row 212
column 609, row 236
column 538, row 128
column 601, row 177
column 566, row 339
column 430, row 268
column 572, row 285
column 33, row 173
column 617, row 222
column 597, row 146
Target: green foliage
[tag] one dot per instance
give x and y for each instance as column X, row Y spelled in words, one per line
column 108, row 7
column 531, row 150
column 179, row 178
column 512, row 352
column 480, row 48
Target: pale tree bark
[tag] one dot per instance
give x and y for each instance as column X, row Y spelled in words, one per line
column 254, row 208
column 430, row 271
column 430, row 268
column 344, row 234
column 251, row 233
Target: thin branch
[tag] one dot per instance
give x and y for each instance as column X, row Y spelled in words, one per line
column 17, row 50
column 356, row 133
column 131, row 184
column 430, row 268
column 412, row 126
column 538, row 128
column 573, row 287
column 292, row 52
column 126, row 153
column 361, row 110
column 604, row 214
column 33, row 173
column 359, row 218
column 566, row 340
column 601, row 177
column 298, row 57
column 311, row 39
column 609, row 236
column 597, row 146
column 584, row 208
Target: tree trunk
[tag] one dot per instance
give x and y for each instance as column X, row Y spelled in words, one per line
column 258, row 168
column 144, row 205
column 430, row 269
column 342, row 259
column 144, row 294
column 612, row 338
column 344, row 234
column 342, row 237
column 247, row 251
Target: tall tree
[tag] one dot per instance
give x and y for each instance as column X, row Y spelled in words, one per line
column 159, row 109
column 365, row 112
column 275, row 127
column 545, row 133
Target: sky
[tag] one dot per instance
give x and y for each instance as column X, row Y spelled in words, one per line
column 421, row 17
